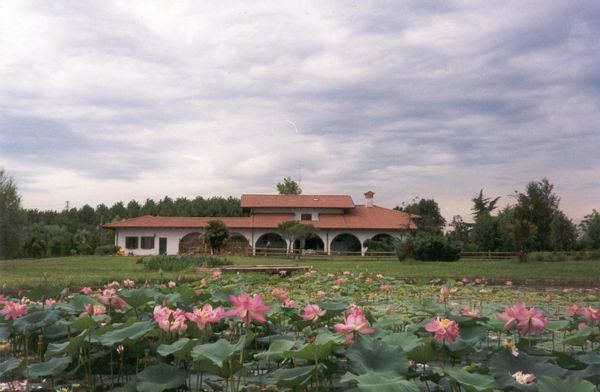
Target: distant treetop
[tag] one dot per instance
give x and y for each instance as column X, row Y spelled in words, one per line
column 288, row 187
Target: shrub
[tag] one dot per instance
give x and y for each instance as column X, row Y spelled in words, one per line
column 434, row 248
column 405, row 249
column 180, row 263
column 104, row 250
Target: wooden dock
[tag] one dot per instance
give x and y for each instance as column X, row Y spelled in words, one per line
column 282, row 270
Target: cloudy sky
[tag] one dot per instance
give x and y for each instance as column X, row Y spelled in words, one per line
column 103, row 101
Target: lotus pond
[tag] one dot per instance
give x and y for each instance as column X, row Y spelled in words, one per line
column 314, row 332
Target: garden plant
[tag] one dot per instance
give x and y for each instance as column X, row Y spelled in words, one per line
column 315, row 332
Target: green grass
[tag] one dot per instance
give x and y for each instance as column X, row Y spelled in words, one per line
column 78, row 271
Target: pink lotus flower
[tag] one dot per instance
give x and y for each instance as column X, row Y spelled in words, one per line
column 444, row 330
column 354, row 322
column 108, row 297
column 290, row 303
column 591, row 314
column 508, row 283
column 170, row 320
column 478, row 281
column 321, row 294
column 312, row 312
column 93, row 310
column 114, row 283
column 247, row 308
column 205, row 315
column 581, row 325
column 524, row 378
column 13, row 310
column 171, row 284
column 128, row 283
column 216, row 275
column 527, row 320
column 341, row 280
column 471, row 312
column 86, row 291
column 386, row 288
column 330, row 276
column 368, row 280
column 197, row 292
column 279, row 293
column 49, row 302
column 379, row 276
column 465, row 280
column 575, row 310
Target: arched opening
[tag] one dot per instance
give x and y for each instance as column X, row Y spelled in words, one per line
column 237, row 244
column 192, row 243
column 345, row 244
column 314, row 243
column 270, row 243
column 381, row 243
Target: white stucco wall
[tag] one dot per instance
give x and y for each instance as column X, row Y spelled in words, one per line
column 252, row 235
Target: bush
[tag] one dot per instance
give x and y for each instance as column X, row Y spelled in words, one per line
column 435, row 248
column 106, row 250
column 180, row 263
column 405, row 249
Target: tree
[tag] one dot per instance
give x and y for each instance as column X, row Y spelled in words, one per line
column 590, row 228
column 11, row 218
column 460, row 231
column 293, row 230
column 288, row 187
column 483, row 205
column 563, row 233
column 537, row 206
column 431, row 220
column 215, row 235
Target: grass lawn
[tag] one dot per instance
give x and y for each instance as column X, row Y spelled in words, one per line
column 78, row 271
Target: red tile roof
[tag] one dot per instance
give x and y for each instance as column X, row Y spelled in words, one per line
column 360, row 217
column 318, row 201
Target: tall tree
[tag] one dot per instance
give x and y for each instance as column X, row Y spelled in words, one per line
column 288, row 187
column 483, row 205
column 538, row 206
column 215, row 235
column 431, row 220
column 563, row 232
column 293, row 230
column 460, row 231
column 11, row 218
column 590, row 227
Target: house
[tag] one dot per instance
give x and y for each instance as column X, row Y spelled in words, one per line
column 342, row 226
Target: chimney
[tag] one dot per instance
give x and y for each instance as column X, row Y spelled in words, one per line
column 369, row 199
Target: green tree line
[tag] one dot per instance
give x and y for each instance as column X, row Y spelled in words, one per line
column 36, row 233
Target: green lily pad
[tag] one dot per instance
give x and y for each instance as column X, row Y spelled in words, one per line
column 471, row 381
column 4, row 334
column 373, row 382
column 159, row 378
column 34, row 321
column 579, row 338
column 139, row 297
column 295, row 378
column 276, row 350
column 503, row 365
column 318, row 350
column 52, row 367
column 127, row 335
column 571, row 384
column 405, row 340
column 370, row 355
column 181, row 347
column 221, row 351
column 70, row 346
column 9, row 365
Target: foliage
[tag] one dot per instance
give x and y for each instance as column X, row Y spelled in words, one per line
column 295, row 231
column 215, row 235
column 460, row 232
column 563, row 233
column 106, row 250
column 536, row 207
column 590, row 227
column 435, row 248
column 483, row 205
column 11, row 218
column 288, row 187
column 131, row 347
column 382, row 243
column 431, row 220
column 180, row 263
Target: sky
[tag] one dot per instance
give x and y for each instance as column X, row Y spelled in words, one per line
column 102, row 101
